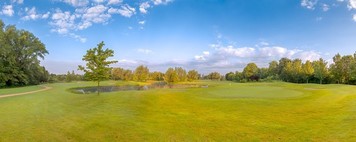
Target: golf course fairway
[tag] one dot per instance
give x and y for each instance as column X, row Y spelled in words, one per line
column 223, row 111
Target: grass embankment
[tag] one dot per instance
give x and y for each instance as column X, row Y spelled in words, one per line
column 224, row 111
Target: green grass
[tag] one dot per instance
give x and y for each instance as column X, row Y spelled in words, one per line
column 223, row 112
column 19, row 89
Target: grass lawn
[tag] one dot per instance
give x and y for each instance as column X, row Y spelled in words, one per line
column 19, row 89
column 224, row 111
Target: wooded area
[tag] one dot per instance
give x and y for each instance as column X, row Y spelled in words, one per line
column 343, row 70
column 20, row 52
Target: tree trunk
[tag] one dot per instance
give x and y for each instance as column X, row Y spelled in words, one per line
column 98, row 90
column 307, row 81
column 321, row 81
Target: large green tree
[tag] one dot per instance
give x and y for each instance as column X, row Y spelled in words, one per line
column 20, row 52
column 320, row 69
column 250, row 70
column 117, row 73
column 336, row 68
column 141, row 73
column 353, row 70
column 97, row 64
column 285, row 69
column 230, row 76
column 193, row 75
column 182, row 74
column 171, row 76
column 296, row 72
column 347, row 62
column 273, row 68
column 308, row 70
column 214, row 76
column 157, row 76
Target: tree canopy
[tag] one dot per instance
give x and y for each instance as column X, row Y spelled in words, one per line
column 141, row 73
column 20, row 52
column 171, row 76
column 97, row 67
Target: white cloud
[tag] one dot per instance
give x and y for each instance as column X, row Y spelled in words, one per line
column 125, row 61
column 230, row 57
column 31, row 14
column 142, row 22
column 237, row 52
column 199, row 58
column 126, row 11
column 325, row 7
column 206, row 53
column 352, row 4
column 17, row 1
column 354, row 17
column 114, row 1
column 158, row 2
column 276, row 51
column 144, row 51
column 95, row 14
column 202, row 57
column 63, row 22
column 309, row 4
column 113, row 11
column 45, row 16
column 308, row 55
column 264, row 43
column 77, row 3
column 86, row 14
column 7, row 10
column 143, row 7
column 77, row 37
column 98, row 1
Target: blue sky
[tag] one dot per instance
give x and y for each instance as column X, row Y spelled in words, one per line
column 207, row 35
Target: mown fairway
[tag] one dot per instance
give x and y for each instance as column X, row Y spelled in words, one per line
column 223, row 112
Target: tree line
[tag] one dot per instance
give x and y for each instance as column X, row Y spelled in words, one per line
column 20, row 52
column 142, row 74
column 342, row 70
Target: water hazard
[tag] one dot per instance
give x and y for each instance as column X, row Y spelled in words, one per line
column 157, row 85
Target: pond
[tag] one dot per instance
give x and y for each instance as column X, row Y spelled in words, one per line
column 156, row 85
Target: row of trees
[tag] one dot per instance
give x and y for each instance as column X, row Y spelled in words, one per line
column 343, row 70
column 142, row 74
column 98, row 69
column 20, row 52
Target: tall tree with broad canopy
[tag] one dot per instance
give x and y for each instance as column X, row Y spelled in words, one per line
column 321, row 70
column 296, row 70
column 273, row 68
column 171, row 76
column 250, row 70
column 20, row 52
column 141, row 73
column 157, row 76
column 308, row 70
column 193, row 75
column 336, row 68
column 182, row 74
column 214, row 76
column 97, row 67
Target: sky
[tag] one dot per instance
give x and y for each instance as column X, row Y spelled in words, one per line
column 206, row 35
